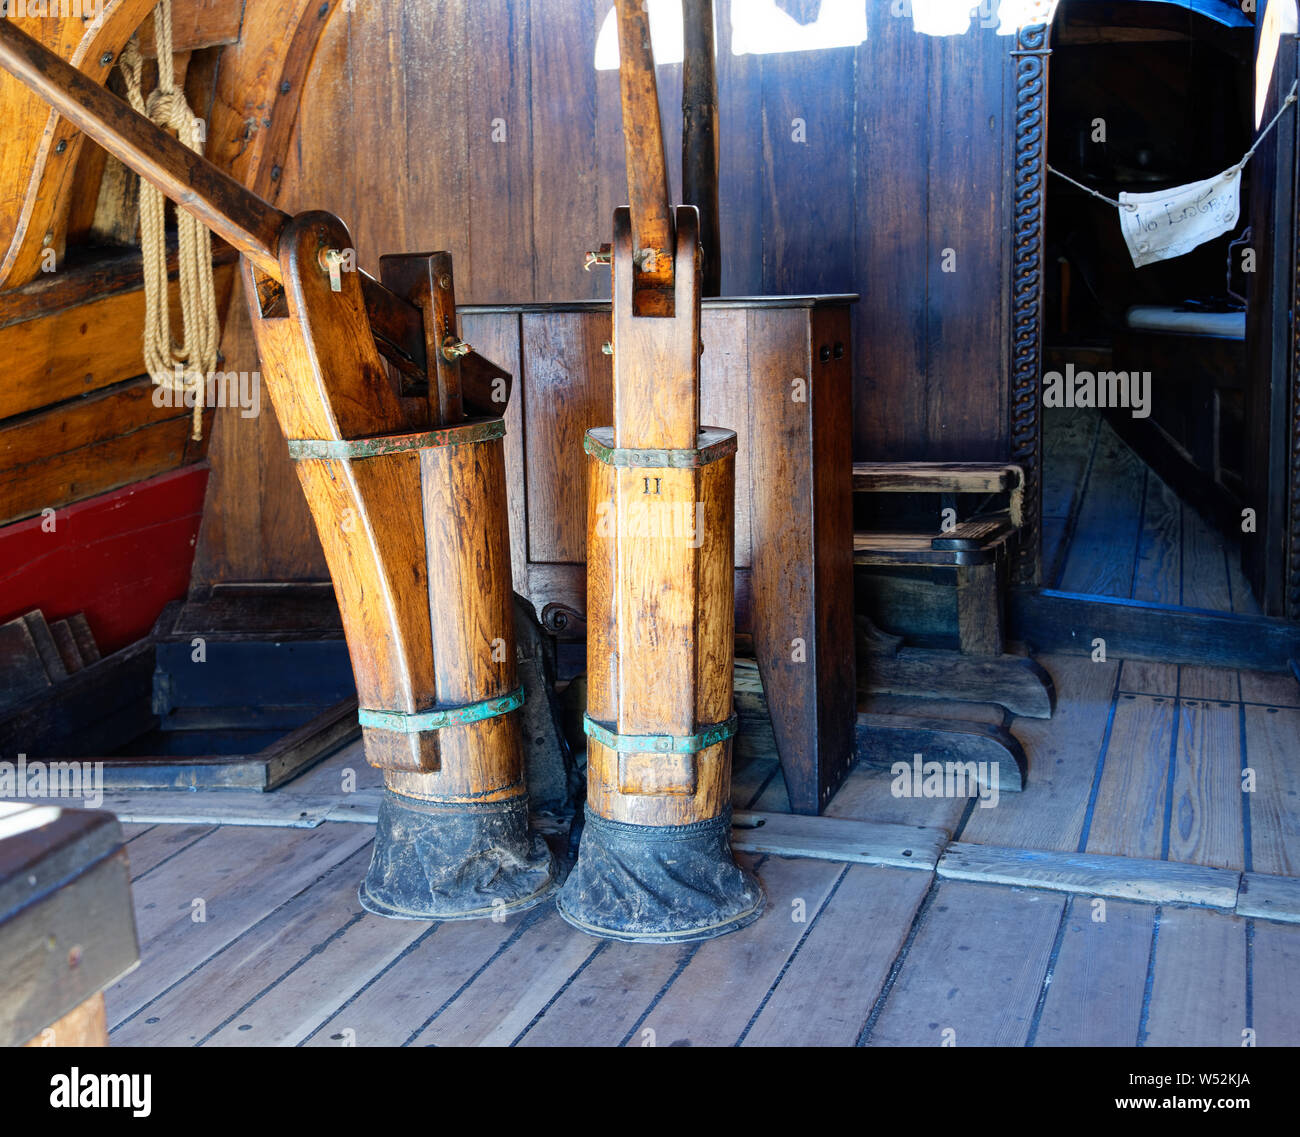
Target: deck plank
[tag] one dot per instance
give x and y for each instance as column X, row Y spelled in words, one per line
column 1217, row 683
column 1243, row 599
column 1206, row 823
column 501, row 1003
column 240, row 875
column 356, row 950
column 159, row 842
column 1276, row 984
column 200, row 1003
column 828, row 989
column 975, row 968
column 1103, row 551
column 1129, row 818
column 1094, row 874
column 1198, row 992
column 1143, row 677
column 1095, row 997
column 1272, row 688
column 603, row 1003
column 1069, row 436
column 1269, row 897
column 397, row 1003
column 326, row 777
column 713, row 999
column 1275, row 803
column 1063, row 753
column 1205, row 565
column 1157, row 577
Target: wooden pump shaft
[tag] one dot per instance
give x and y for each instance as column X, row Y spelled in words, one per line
column 660, row 584
column 647, row 164
column 700, row 135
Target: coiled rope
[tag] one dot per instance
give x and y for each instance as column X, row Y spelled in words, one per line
column 183, row 367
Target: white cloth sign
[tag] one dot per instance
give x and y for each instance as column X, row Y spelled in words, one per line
column 1172, row 222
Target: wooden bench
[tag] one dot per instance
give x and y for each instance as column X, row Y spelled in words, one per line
column 67, row 928
column 975, row 547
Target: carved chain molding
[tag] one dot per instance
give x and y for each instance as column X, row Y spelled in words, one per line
column 1029, row 61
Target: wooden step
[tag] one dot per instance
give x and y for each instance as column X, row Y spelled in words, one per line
column 942, row 477
column 974, row 542
column 934, row 477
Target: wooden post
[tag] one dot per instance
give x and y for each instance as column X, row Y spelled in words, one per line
column 655, row 863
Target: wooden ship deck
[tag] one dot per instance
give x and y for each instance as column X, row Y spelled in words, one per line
column 992, row 933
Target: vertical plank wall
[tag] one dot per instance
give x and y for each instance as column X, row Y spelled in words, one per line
column 484, row 128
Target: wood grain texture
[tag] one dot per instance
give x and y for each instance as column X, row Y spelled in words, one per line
column 1205, row 821
column 221, row 871
column 1064, row 752
column 842, row 208
column 72, row 452
column 975, row 968
column 826, row 994
column 1128, row 878
column 1276, row 986
column 40, row 154
column 62, row 347
column 1129, row 817
column 1198, row 991
column 1274, row 825
column 1098, row 982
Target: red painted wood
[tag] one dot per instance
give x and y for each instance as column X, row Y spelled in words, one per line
column 119, row 557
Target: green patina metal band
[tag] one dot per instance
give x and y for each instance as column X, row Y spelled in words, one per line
column 446, row 716
column 659, row 743
column 659, row 459
column 462, row 434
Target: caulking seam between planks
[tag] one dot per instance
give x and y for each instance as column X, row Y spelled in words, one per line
column 895, row 968
column 1216, row 700
column 1085, row 830
column 1049, row 971
column 415, row 943
column 600, row 947
column 767, row 995
column 658, row 996
column 316, row 950
column 1149, row 983
column 530, row 918
column 1250, row 974
column 246, row 932
column 1171, row 774
column 178, row 852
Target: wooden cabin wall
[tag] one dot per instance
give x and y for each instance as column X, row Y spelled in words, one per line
column 879, row 169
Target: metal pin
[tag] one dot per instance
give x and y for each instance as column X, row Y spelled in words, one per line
column 332, row 261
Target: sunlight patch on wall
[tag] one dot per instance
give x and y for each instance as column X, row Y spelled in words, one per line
column 762, row 27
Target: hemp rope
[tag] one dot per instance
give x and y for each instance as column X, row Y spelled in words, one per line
column 197, row 353
column 1291, row 98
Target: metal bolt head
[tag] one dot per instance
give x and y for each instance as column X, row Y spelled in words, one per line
column 444, row 282
column 453, row 349
column 106, row 58
column 607, row 348
column 62, row 146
